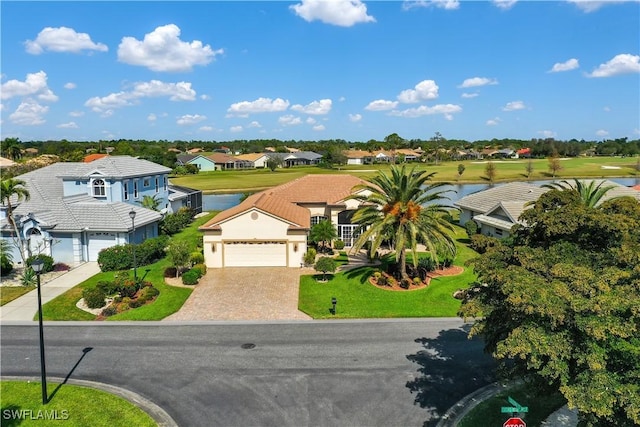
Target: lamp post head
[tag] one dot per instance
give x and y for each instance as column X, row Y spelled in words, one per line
column 132, row 214
column 334, row 301
column 37, row 265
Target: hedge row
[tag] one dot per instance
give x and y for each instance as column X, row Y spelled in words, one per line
column 120, row 257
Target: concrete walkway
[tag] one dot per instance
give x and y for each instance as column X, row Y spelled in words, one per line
column 26, row 307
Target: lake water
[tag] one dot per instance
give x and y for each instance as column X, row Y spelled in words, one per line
column 220, row 202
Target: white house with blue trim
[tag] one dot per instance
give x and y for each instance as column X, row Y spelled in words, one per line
column 77, row 209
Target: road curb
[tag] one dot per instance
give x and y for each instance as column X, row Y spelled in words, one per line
column 159, row 415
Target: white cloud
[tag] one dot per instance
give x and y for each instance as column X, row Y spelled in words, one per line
column 381, row 105
column 426, row 89
column 180, row 91
column 162, row 50
column 70, row 125
column 235, row 129
column 62, row 39
column 478, row 81
column 260, row 105
column 493, row 122
column 568, row 65
column 504, row 4
column 316, row 107
column 29, row 113
column 34, row 84
column 602, row 133
column 588, row 6
column 70, row 85
column 445, row 109
column 310, row 121
column 289, row 120
column 152, row 117
column 190, row 119
column 318, row 128
column 343, row 13
column 109, row 102
column 355, row 117
column 620, row 64
column 254, row 124
column 205, row 97
column 76, row 113
column 514, row 105
column 206, row 128
column 470, row 95
column 547, row 133
column 442, row 4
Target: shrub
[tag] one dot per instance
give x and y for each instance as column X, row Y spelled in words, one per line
column 170, row 272
column 201, row 268
column 310, row 256
column 481, row 243
column 338, row 244
column 46, row 259
column 175, row 222
column 417, row 280
column 6, row 266
column 427, row 264
column 136, row 303
column 149, row 292
column 382, row 280
column 405, row 283
column 115, row 258
column 28, row 277
column 377, row 275
column 61, row 266
column 325, row 264
column 128, row 288
column 151, row 250
column 108, row 288
column 471, row 228
column 94, row 298
column 109, row 311
column 190, row 278
column 196, row 258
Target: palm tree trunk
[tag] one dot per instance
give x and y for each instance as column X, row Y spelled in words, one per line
column 17, row 240
column 403, row 265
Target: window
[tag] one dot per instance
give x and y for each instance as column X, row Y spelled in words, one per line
column 157, row 185
column 317, row 219
column 165, row 183
column 498, row 232
column 135, row 189
column 146, row 182
column 126, row 191
column 99, row 188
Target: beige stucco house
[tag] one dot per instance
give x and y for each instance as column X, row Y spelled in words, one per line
column 270, row 228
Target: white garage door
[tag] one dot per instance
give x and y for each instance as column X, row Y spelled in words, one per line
column 255, row 254
column 99, row 241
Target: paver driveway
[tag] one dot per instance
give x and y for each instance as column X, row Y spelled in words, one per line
column 249, row 293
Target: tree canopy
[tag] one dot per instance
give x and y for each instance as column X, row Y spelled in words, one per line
column 560, row 302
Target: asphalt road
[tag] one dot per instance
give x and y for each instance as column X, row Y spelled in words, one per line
column 330, row 373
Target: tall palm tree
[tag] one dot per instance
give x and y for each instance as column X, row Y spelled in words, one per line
column 590, row 194
column 11, row 148
column 8, row 189
column 150, row 202
column 403, row 208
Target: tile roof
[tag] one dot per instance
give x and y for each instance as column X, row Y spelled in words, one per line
column 357, row 154
column 91, row 157
column 482, row 201
column 284, row 200
column 113, row 167
column 251, row 157
column 222, row 158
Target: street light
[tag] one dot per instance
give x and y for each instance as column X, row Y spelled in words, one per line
column 132, row 215
column 37, row 266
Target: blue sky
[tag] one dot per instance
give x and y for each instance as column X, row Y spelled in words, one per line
column 320, row 69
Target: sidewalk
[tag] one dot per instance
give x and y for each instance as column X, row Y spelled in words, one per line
column 26, row 307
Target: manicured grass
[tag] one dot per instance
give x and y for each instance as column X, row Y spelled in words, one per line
column 506, row 170
column 357, row 298
column 168, row 301
column 9, row 293
column 81, row 406
column 541, row 404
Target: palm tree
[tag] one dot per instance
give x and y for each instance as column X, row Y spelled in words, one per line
column 322, row 232
column 590, row 194
column 150, row 202
column 404, row 209
column 10, row 188
column 11, row 147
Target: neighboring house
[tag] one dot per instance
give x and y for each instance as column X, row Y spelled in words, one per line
column 225, row 161
column 299, row 158
column 181, row 197
column 91, row 157
column 496, row 210
column 270, row 228
column 358, row 157
column 203, row 163
column 523, row 153
column 259, row 160
column 77, row 209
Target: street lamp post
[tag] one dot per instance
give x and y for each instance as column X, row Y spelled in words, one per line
column 37, row 266
column 132, row 215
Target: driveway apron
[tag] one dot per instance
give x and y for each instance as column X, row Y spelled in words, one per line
column 244, row 293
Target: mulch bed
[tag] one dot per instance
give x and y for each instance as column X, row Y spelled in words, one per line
column 395, row 285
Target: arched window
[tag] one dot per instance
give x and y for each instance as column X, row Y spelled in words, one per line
column 99, row 188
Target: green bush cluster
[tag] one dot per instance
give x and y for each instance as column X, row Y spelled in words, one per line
column 196, row 258
column 338, row 244
column 471, row 228
column 175, row 222
column 120, row 257
column 481, row 243
column 170, row 272
column 6, row 266
column 201, row 268
column 191, row 277
column 46, row 260
column 94, row 298
column 310, row 256
column 109, row 311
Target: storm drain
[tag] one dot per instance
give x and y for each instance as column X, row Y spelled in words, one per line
column 248, row 346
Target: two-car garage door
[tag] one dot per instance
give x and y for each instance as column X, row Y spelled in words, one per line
column 255, row 254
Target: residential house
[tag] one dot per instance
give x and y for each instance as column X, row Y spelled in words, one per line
column 184, row 197
column 358, row 157
column 300, row 158
column 204, row 163
column 259, row 160
column 270, row 228
column 225, row 161
column 77, row 209
column 91, row 157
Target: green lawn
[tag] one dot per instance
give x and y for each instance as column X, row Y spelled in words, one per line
column 541, row 404
column 168, row 302
column 506, row 170
column 357, row 298
column 9, row 293
column 81, row 406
